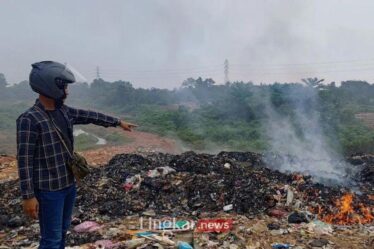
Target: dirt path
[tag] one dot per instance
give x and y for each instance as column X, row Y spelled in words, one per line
column 367, row 118
column 141, row 142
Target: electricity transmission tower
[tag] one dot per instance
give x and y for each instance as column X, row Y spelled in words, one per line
column 226, row 71
column 98, row 75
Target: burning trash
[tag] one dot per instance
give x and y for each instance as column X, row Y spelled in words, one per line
column 262, row 202
column 347, row 212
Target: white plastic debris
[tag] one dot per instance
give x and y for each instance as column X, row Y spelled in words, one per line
column 319, row 227
column 290, row 197
column 228, row 207
column 227, row 166
column 160, row 171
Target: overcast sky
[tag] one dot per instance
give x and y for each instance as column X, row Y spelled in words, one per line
column 159, row 43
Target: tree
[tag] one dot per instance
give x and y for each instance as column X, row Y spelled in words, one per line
column 198, row 83
column 3, row 82
column 313, row 82
column 189, row 83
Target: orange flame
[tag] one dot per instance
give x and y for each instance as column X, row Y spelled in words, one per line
column 346, row 213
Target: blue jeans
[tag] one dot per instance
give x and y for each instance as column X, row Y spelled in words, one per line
column 55, row 211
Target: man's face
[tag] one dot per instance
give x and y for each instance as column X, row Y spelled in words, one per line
column 63, row 86
column 66, row 92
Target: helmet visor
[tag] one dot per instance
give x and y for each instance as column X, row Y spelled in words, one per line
column 77, row 75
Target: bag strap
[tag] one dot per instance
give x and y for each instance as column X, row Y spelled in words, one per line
column 59, row 135
column 57, row 131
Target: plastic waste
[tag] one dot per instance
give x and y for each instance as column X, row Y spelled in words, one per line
column 106, row 244
column 134, row 243
column 278, row 232
column 132, row 183
column 319, row 242
column 259, row 227
column 273, row 226
column 228, row 207
column 290, row 196
column 87, row 226
column 278, row 213
column 297, row 217
column 160, row 171
column 319, row 227
column 280, row 246
column 183, row 245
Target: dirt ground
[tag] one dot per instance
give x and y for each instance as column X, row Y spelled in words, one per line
column 140, row 142
column 8, row 168
column 248, row 232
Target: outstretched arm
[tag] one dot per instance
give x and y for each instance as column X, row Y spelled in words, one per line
column 80, row 116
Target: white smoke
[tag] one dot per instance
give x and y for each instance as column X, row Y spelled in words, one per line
column 298, row 141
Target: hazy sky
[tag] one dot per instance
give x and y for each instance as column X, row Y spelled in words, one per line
column 159, row 43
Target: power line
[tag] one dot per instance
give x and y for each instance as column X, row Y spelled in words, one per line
column 236, row 70
column 165, row 70
column 309, row 63
column 210, row 68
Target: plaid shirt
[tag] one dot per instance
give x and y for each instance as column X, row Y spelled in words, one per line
column 42, row 158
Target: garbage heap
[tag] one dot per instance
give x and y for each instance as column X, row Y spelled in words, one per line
column 190, row 183
column 194, row 185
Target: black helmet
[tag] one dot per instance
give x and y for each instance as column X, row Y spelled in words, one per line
column 49, row 78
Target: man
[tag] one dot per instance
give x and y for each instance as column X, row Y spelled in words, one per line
column 47, row 184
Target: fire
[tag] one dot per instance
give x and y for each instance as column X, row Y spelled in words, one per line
column 346, row 213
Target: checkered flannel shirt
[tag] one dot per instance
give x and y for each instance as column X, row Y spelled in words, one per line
column 42, row 158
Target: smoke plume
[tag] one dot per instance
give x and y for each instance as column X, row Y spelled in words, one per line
column 297, row 140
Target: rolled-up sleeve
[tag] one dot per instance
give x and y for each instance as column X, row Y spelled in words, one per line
column 80, row 116
column 26, row 140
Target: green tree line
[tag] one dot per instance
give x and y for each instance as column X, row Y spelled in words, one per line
column 202, row 114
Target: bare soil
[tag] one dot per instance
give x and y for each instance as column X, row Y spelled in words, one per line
column 140, row 142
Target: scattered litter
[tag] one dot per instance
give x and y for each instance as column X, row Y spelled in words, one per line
column 280, row 246
column 278, row 213
column 297, row 218
column 319, row 242
column 259, row 227
column 265, row 205
column 290, row 196
column 160, row 171
column 132, row 183
column 228, row 207
column 134, row 243
column 319, row 227
column 273, row 226
column 87, row 226
column 183, row 245
column 278, row 232
column 106, row 244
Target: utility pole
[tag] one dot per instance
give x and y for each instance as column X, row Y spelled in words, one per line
column 98, row 76
column 226, row 71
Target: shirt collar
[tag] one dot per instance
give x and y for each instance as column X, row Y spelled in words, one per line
column 39, row 104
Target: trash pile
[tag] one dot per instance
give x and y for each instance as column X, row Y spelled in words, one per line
column 269, row 209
